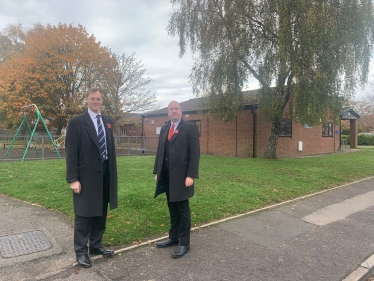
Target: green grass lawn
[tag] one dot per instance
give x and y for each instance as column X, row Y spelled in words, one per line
column 227, row 186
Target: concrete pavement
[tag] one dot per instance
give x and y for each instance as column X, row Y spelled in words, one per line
column 325, row 236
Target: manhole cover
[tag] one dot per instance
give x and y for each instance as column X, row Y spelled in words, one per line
column 23, row 244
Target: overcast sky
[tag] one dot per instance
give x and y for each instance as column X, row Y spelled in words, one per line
column 125, row 26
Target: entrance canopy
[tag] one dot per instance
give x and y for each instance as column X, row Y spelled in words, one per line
column 351, row 115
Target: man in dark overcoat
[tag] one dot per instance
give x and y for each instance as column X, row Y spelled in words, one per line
column 91, row 170
column 176, row 166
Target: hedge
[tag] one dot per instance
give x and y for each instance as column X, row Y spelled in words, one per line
column 365, row 139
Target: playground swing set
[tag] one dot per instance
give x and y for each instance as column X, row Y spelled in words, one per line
column 30, row 143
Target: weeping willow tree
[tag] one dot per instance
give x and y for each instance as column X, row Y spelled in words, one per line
column 307, row 55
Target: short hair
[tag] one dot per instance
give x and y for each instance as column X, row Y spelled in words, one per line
column 180, row 107
column 94, row 90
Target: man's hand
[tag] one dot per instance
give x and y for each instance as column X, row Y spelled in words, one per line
column 156, row 178
column 76, row 186
column 188, row 182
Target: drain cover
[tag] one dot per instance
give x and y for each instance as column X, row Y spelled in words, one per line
column 23, row 244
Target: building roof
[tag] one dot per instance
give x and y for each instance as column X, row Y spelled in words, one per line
column 349, row 114
column 187, row 106
column 131, row 118
column 199, row 105
column 133, row 115
column 250, row 101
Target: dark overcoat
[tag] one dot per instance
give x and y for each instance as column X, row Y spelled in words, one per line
column 83, row 164
column 184, row 156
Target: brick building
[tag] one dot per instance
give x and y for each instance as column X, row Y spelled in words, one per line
column 247, row 135
column 130, row 126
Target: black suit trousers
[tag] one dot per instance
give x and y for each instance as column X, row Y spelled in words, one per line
column 91, row 229
column 180, row 216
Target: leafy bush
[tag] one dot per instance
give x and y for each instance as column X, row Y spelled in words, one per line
column 345, row 139
column 365, row 139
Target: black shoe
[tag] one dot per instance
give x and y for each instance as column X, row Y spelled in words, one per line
column 180, row 252
column 167, row 243
column 84, row 260
column 101, row 251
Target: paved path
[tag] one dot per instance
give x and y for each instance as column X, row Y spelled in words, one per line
column 325, row 236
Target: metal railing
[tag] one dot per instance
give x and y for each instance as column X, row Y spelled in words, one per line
column 41, row 147
column 136, row 145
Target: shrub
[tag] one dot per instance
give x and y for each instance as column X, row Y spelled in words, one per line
column 365, row 139
column 345, row 139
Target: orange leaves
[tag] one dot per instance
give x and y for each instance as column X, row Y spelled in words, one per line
column 13, row 74
column 56, row 67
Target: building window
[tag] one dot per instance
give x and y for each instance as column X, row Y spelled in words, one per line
column 123, row 132
column 327, row 129
column 285, row 128
column 198, row 125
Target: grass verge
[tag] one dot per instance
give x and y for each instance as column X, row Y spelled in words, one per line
column 227, row 186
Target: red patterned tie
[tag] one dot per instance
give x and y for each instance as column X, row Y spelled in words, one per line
column 171, row 132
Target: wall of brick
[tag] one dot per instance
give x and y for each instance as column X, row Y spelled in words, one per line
column 150, row 124
column 235, row 138
column 312, row 142
column 244, row 142
column 131, row 130
column 311, row 138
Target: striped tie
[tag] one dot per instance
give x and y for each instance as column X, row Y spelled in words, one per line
column 101, row 138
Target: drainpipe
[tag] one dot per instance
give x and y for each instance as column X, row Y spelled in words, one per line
column 254, row 135
column 340, row 134
column 333, row 132
column 207, row 135
column 236, row 136
column 142, row 133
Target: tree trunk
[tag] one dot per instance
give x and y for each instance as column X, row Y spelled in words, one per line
column 271, row 149
column 59, row 129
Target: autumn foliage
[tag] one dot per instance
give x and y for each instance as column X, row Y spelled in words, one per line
column 56, row 67
column 52, row 67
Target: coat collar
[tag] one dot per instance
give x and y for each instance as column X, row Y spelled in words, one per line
column 90, row 127
column 177, row 129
